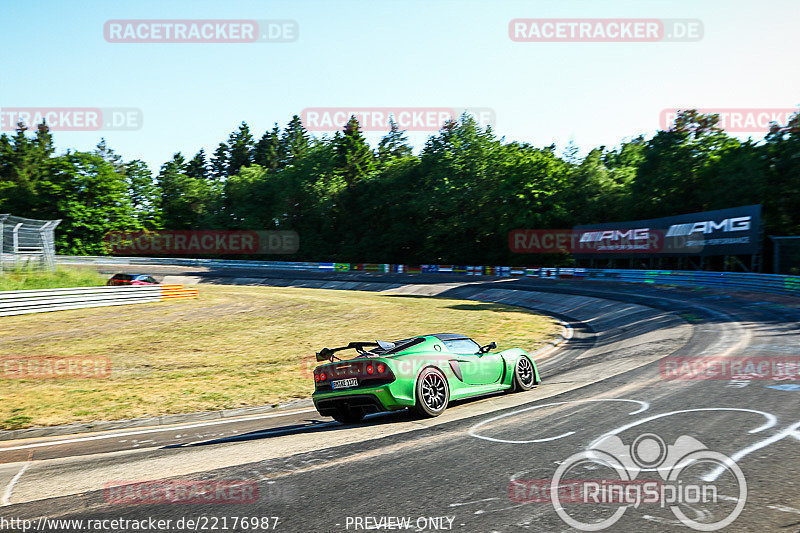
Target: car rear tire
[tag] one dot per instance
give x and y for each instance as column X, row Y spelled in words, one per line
column 524, row 375
column 348, row 415
column 433, row 393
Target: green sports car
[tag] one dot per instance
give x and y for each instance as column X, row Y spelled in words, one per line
column 421, row 373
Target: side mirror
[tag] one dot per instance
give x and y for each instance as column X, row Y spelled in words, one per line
column 489, row 347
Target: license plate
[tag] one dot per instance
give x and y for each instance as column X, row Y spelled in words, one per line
column 344, row 383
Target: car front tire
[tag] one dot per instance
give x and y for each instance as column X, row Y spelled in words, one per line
column 524, row 375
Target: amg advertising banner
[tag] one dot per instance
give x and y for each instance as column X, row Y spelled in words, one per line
column 733, row 231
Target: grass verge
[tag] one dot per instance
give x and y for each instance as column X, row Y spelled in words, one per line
column 24, row 279
column 232, row 347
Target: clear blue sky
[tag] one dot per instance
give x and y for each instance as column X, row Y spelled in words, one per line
column 393, row 54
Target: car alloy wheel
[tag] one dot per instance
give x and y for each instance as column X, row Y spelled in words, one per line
column 524, row 376
column 433, row 394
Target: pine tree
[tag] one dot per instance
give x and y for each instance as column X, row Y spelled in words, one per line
column 197, row 167
column 172, row 182
column 354, row 158
column 394, row 144
column 25, row 168
column 240, row 151
column 295, row 141
column 219, row 162
column 143, row 193
column 268, row 152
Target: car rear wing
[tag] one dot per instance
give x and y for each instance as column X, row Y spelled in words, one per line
column 327, row 353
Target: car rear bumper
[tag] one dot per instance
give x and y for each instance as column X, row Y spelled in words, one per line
column 371, row 400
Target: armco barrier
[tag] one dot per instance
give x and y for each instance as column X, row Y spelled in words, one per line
column 45, row 300
column 773, row 283
column 730, row 280
column 179, row 261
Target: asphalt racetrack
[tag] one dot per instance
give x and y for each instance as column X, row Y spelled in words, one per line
column 485, row 463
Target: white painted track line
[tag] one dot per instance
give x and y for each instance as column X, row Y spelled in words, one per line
column 7, row 494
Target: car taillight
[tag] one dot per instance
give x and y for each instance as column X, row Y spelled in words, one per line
column 316, row 377
column 381, row 368
column 369, row 369
column 322, row 376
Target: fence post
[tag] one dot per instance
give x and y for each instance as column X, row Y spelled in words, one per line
column 15, row 243
column 775, row 254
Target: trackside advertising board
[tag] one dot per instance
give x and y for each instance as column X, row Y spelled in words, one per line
column 733, row 231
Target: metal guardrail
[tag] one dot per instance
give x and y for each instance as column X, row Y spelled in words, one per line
column 772, row 283
column 45, row 300
column 181, row 261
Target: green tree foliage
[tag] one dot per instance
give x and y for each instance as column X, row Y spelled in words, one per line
column 354, row 158
column 240, row 149
column 781, row 187
column 393, row 145
column 219, row 162
column 92, row 193
column 91, row 197
column 197, row 167
column 269, row 151
column 143, row 193
column 295, row 141
column 669, row 178
column 24, row 165
column 186, row 201
column 455, row 202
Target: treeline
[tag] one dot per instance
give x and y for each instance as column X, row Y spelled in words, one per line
column 454, row 202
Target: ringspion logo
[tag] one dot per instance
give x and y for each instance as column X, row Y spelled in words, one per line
column 676, row 476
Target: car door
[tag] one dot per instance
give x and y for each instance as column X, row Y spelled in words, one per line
column 475, row 368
